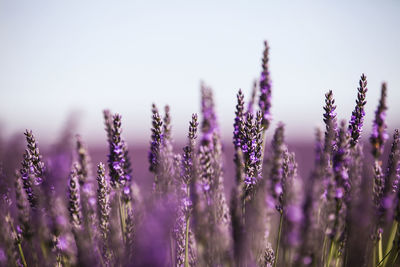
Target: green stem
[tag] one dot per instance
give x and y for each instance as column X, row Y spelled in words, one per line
column 380, row 253
column 22, row 255
column 331, row 252
column 121, row 217
column 390, row 241
column 187, row 243
column 384, row 259
column 278, row 239
column 187, row 233
column 324, row 249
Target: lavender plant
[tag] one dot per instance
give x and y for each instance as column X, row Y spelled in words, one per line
column 344, row 212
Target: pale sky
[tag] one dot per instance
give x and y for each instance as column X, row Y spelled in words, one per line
column 62, row 56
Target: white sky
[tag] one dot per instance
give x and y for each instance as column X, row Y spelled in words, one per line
column 60, row 56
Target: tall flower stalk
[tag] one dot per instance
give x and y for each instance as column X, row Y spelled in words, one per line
column 265, row 89
column 276, row 185
column 357, row 117
column 103, row 209
column 187, row 177
column 117, row 165
column 378, row 139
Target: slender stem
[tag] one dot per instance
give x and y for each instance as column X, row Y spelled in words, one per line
column 324, row 249
column 384, row 259
column 187, row 243
column 390, row 241
column 380, row 253
column 337, row 263
column 278, row 239
column 331, row 252
column 121, row 217
column 22, row 254
column 187, row 232
column 395, row 258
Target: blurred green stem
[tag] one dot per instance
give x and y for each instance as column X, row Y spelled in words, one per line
column 187, row 231
column 278, row 239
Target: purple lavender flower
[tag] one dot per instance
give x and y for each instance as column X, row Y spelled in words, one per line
column 340, row 163
column 341, row 175
column 167, row 126
column 188, row 152
column 36, row 158
column 378, row 191
column 156, row 140
column 129, row 235
column 108, row 124
column 357, row 117
column 278, row 148
column 330, row 129
column 265, row 89
column 209, row 122
column 83, row 159
column 32, row 168
column 393, row 175
column 289, row 172
column 251, row 134
column 74, row 198
column 103, row 208
column 379, row 135
column 27, row 179
column 22, row 207
column 116, row 158
column 237, row 140
column 267, row 257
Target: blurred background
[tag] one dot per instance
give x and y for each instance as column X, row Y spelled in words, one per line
column 61, row 60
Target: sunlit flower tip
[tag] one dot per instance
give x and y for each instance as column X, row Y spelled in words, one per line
column 339, row 193
column 357, row 117
column 265, row 89
column 127, row 190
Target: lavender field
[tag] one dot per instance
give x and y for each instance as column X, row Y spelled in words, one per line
column 251, row 201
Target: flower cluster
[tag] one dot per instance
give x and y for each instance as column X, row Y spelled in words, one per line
column 345, row 212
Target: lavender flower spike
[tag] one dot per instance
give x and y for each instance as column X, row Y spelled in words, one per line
column 187, row 159
column 84, row 161
column 330, row 129
column 340, row 162
column 36, row 158
column 74, row 198
column 251, row 132
column 379, row 135
column 167, row 126
column 108, row 124
column 342, row 183
column 32, row 168
column 103, row 203
column 265, row 89
column 393, row 171
column 357, row 117
column 238, row 120
column 156, row 140
column 116, row 159
column 209, row 123
column 26, row 179
column 278, row 148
